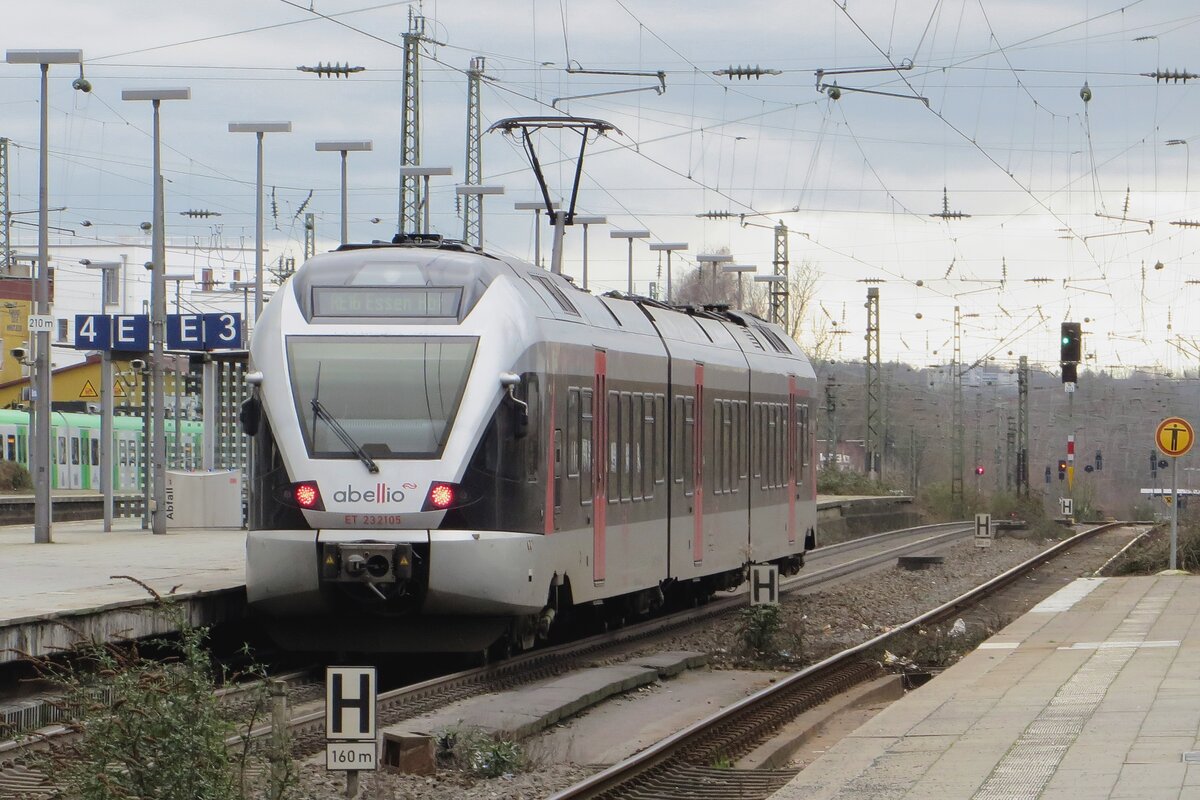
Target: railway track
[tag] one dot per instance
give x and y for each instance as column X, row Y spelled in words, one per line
column 306, row 725
column 682, row 765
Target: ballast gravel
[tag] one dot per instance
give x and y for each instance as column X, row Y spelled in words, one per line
column 815, row 625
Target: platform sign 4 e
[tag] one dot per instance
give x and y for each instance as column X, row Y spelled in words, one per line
column 1174, row 436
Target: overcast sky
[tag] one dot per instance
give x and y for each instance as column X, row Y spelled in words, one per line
column 990, row 112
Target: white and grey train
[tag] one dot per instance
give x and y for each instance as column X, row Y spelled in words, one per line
column 454, row 451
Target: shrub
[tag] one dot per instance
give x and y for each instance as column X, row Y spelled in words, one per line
column 14, row 477
column 758, row 628
column 473, row 751
column 152, row 728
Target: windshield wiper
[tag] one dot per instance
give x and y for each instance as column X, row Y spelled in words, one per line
column 323, row 414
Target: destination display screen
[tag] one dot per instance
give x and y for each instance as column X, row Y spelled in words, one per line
column 386, row 301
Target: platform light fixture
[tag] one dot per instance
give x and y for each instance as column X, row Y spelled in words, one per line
column 259, row 129
column 424, row 173
column 537, row 207
column 158, row 305
column 473, row 190
column 585, row 221
column 740, row 270
column 345, row 147
column 630, row 235
column 39, row 449
column 668, row 248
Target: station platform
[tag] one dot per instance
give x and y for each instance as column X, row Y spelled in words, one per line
column 1095, row 693
column 51, row 595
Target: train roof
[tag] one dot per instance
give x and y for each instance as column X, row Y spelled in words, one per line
column 426, row 262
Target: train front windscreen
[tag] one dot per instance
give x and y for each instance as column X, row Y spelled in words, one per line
column 387, row 396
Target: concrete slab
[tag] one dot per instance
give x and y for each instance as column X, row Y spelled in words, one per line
column 51, row 594
column 615, row 730
column 672, row 663
column 1082, row 697
column 523, row 712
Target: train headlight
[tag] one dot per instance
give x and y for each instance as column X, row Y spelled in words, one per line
column 441, row 496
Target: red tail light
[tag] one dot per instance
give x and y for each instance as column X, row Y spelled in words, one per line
column 441, row 495
column 303, row 494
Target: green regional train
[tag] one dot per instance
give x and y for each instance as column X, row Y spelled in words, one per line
column 75, row 448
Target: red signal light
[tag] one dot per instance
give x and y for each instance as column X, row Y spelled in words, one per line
column 307, row 495
column 441, row 495
column 979, row 470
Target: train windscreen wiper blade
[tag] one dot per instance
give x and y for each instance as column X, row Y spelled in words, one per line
column 322, row 413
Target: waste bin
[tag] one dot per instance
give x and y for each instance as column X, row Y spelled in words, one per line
column 204, row 499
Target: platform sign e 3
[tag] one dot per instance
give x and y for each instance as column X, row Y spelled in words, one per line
column 350, row 697
column 1174, row 436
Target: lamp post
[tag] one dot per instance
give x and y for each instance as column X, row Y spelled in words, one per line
column 775, row 284
column 178, row 278
column 424, row 173
column 258, row 129
column 344, row 148
column 714, row 259
column 740, row 270
column 476, row 190
column 536, row 206
column 245, row 287
column 630, row 236
column 158, row 304
column 668, row 248
column 585, row 221
column 106, row 268
column 39, row 450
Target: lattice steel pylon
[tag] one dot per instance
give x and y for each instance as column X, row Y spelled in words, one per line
column 410, row 126
column 874, row 435
column 779, row 289
column 5, row 213
column 1023, row 427
column 472, row 212
column 310, row 236
column 957, row 432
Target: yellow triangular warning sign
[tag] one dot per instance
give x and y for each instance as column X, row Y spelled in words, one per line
column 329, row 560
column 403, row 561
column 118, row 389
column 88, row 390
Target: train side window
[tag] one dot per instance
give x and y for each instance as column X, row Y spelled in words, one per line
column 533, row 437
column 689, row 444
column 637, row 428
column 743, row 439
column 806, row 445
column 626, row 446
column 585, row 447
column 677, row 437
column 75, row 451
column 718, row 427
column 801, row 433
column 62, row 450
column 573, row 433
column 10, row 451
column 649, row 451
column 96, row 452
column 660, row 431
column 614, row 446
column 21, row 451
column 727, row 445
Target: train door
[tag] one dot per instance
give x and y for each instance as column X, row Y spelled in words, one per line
column 83, row 472
column 74, row 458
column 698, row 470
column 793, row 451
column 600, row 458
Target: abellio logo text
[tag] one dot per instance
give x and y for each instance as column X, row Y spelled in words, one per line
column 380, row 493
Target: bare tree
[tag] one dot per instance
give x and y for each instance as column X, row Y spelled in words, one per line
column 808, row 327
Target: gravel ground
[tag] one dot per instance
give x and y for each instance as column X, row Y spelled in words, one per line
column 816, row 625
